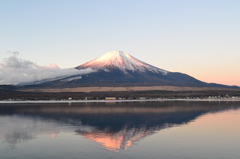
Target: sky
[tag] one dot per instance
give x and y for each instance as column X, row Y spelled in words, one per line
column 200, row 38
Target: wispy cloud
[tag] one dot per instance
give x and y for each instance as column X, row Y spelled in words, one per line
column 14, row 70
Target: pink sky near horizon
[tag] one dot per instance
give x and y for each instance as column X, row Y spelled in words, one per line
column 227, row 78
column 222, row 79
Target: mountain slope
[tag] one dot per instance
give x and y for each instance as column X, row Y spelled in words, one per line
column 120, row 67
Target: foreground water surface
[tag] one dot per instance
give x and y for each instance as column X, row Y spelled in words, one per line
column 168, row 130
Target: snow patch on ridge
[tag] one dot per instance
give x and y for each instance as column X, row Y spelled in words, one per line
column 122, row 61
column 72, row 78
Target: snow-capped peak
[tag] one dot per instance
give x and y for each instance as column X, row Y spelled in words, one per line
column 122, row 61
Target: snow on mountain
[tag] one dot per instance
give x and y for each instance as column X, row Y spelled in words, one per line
column 122, row 61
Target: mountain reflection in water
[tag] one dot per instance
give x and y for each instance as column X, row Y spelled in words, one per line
column 115, row 125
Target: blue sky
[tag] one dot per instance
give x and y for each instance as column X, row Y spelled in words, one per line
column 200, row 38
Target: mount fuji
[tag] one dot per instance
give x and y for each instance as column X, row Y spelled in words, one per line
column 118, row 68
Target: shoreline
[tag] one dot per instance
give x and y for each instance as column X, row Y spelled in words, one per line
column 117, row 101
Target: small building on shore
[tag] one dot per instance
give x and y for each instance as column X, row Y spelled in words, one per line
column 110, row 98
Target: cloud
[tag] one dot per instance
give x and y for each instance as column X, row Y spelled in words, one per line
column 14, row 70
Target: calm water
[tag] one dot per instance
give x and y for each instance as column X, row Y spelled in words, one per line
column 167, row 130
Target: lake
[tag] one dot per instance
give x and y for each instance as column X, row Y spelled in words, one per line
column 136, row 130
